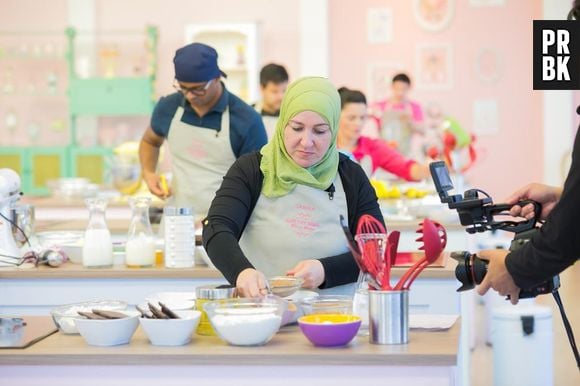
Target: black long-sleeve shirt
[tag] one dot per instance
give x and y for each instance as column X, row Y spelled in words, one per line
column 557, row 245
column 235, row 201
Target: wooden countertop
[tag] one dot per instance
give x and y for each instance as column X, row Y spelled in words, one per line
column 288, row 347
column 77, row 271
column 60, row 202
column 115, row 225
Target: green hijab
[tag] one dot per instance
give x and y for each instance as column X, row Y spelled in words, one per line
column 281, row 173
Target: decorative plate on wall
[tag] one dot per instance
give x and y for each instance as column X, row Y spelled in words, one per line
column 434, row 15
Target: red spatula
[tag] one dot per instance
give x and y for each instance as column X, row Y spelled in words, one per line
column 434, row 241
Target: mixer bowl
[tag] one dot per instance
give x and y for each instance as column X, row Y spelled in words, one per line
column 126, row 177
column 22, row 217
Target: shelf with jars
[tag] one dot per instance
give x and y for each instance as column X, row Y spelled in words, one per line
column 50, row 80
column 237, row 47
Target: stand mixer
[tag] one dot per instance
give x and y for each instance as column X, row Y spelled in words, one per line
column 9, row 194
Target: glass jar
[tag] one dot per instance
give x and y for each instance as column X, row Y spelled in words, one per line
column 207, row 293
column 179, row 231
column 360, row 303
column 140, row 247
column 98, row 246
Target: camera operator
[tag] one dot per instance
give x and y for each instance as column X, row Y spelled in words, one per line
column 551, row 250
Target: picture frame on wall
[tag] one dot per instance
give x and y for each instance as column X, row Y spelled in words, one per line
column 488, row 65
column 379, row 25
column 434, row 66
column 433, row 15
column 379, row 76
column 486, row 116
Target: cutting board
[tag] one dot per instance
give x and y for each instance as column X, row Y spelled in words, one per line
column 36, row 329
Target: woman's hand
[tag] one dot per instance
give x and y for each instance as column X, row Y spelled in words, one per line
column 251, row 283
column 311, row 271
column 546, row 195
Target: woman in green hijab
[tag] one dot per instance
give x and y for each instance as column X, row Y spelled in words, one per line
column 277, row 210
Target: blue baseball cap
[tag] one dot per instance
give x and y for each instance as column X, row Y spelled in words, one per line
column 196, row 63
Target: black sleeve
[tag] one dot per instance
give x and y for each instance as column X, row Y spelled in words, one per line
column 229, row 213
column 557, row 245
column 361, row 199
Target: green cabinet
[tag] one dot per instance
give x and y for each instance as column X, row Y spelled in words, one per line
column 110, row 96
column 91, row 163
column 113, row 97
column 36, row 166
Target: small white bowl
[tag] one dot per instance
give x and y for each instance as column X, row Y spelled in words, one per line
column 109, row 332
column 64, row 316
column 171, row 332
column 176, row 301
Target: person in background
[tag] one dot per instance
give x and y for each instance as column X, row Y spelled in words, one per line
column 277, row 210
column 206, row 127
column 556, row 246
column 364, row 149
column 398, row 119
column 273, row 84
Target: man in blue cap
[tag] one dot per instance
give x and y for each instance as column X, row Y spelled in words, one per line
column 206, row 127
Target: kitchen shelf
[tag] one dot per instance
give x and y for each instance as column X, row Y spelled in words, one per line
column 237, row 47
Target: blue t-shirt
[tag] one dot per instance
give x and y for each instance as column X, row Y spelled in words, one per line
column 247, row 133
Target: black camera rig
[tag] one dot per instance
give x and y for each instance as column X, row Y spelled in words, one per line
column 477, row 214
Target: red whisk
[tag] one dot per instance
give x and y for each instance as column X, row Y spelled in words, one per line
column 372, row 240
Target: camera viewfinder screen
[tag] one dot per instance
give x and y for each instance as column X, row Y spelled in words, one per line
column 441, row 176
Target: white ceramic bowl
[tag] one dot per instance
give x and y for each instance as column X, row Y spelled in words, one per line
column 176, row 301
column 64, row 316
column 171, row 332
column 110, row 332
column 71, row 242
column 201, row 257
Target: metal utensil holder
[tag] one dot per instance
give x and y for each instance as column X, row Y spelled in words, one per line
column 389, row 317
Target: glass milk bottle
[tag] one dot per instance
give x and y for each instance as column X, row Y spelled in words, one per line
column 140, row 247
column 98, row 246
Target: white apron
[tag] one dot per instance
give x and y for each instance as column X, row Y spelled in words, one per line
column 200, row 159
column 301, row 225
column 269, row 121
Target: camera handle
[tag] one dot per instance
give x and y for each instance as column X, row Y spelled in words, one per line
column 513, row 226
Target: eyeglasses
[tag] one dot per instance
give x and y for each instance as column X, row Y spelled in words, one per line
column 199, row 90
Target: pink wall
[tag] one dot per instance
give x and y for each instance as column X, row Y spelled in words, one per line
column 278, row 21
column 514, row 156
column 506, row 29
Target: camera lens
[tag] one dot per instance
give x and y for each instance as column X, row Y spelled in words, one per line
column 470, row 269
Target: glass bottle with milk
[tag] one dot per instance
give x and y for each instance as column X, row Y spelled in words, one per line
column 98, row 246
column 140, row 247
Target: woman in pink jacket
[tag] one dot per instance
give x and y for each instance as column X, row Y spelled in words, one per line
column 370, row 150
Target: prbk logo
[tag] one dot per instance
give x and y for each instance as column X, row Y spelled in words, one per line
column 556, row 55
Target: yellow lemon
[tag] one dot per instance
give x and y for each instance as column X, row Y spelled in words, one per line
column 411, row 193
column 381, row 189
column 395, row 192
